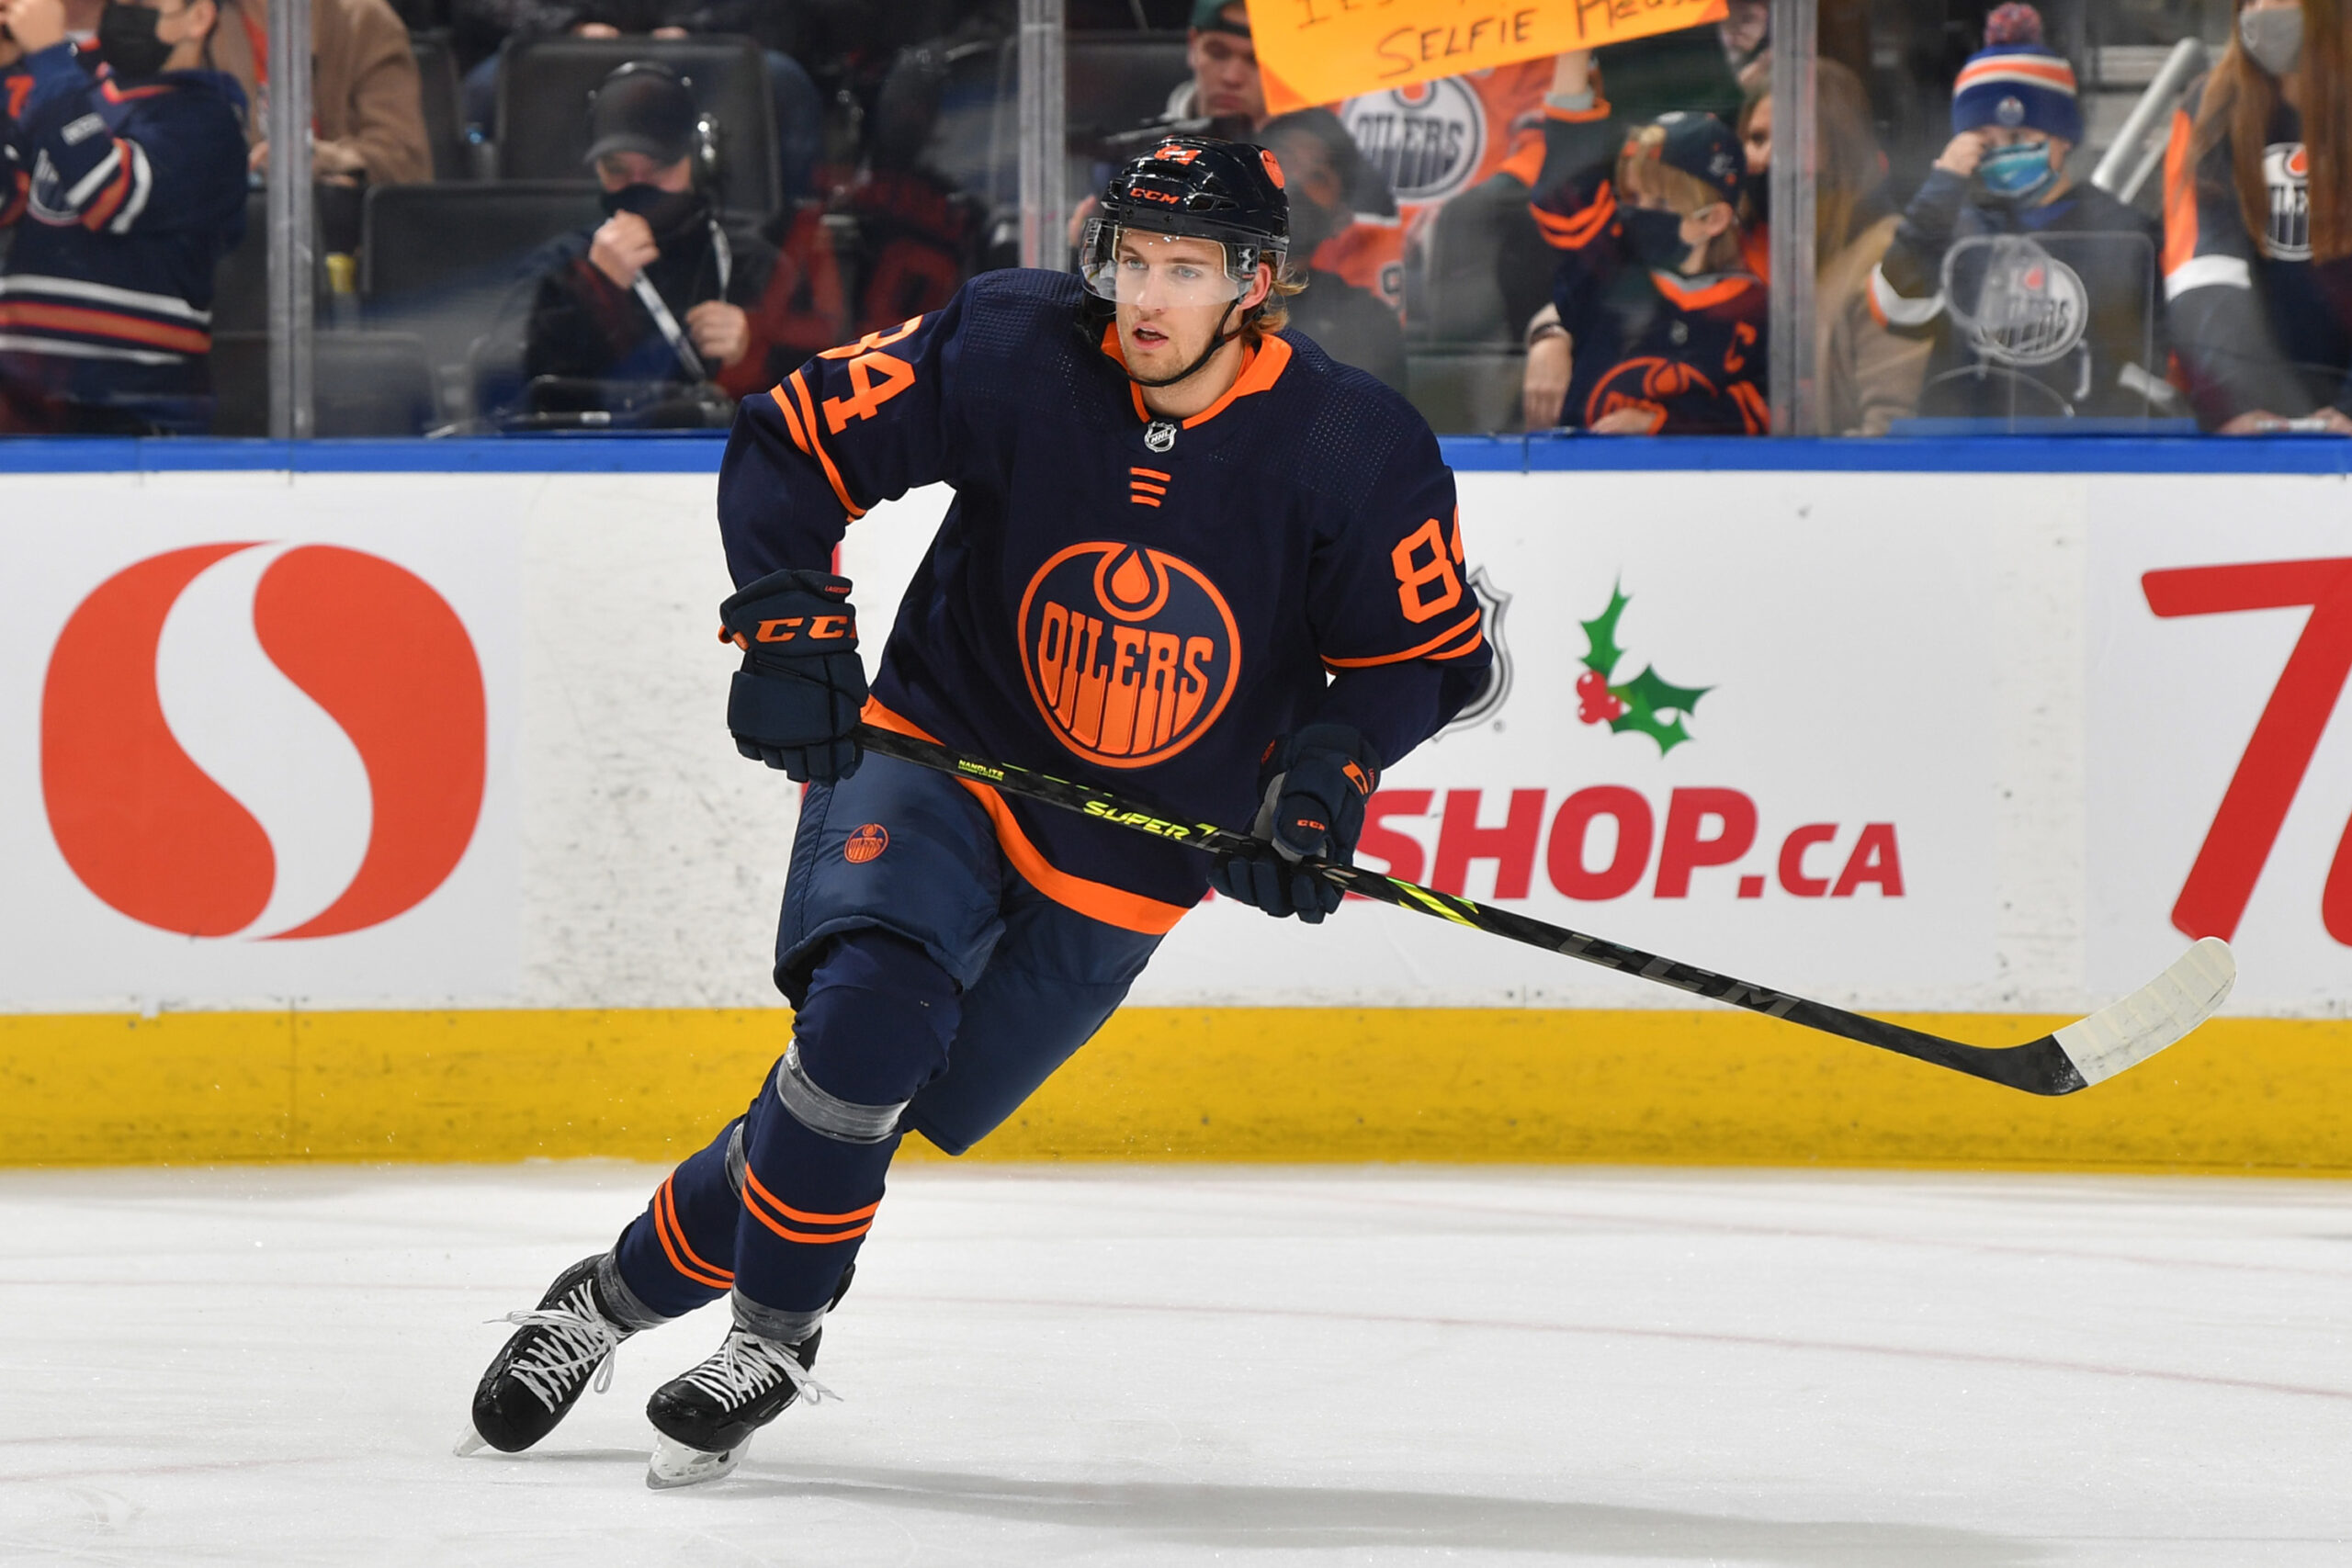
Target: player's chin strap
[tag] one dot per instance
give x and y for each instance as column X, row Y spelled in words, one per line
column 1218, row 340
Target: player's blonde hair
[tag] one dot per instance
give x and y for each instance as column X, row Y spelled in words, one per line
column 1275, row 314
column 1643, row 172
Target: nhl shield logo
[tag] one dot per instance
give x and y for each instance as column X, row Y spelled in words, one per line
column 1130, row 653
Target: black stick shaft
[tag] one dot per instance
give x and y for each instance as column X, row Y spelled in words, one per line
column 2037, row 1068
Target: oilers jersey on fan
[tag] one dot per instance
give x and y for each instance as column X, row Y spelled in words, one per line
column 1686, row 351
column 124, row 197
column 1142, row 603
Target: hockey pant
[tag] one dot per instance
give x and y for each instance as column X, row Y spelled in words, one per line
column 935, row 988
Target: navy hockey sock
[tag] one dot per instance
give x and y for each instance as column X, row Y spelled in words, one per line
column 680, row 1253
column 873, row 1029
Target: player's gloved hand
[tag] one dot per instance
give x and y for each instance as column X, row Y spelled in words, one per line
column 1315, row 784
column 796, row 702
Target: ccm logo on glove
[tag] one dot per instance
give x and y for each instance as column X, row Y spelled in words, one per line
column 794, row 705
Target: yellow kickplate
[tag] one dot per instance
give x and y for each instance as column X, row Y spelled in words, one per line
column 1274, row 1084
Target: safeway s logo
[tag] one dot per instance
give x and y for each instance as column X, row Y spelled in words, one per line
column 1130, row 653
column 257, row 656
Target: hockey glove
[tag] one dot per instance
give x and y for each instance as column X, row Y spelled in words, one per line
column 796, row 702
column 1315, row 783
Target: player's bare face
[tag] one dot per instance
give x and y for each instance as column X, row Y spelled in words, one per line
column 1173, row 293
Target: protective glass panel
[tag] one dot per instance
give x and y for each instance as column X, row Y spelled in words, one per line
column 2044, row 334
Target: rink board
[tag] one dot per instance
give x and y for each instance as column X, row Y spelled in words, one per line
column 1985, row 745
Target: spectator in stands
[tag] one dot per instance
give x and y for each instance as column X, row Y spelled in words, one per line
column 1223, row 97
column 2059, row 321
column 2258, row 224
column 366, row 113
column 799, row 107
column 1321, row 168
column 1656, row 324
column 1867, row 376
column 125, row 189
column 659, row 292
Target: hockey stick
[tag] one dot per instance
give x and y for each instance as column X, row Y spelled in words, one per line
column 2120, row 1035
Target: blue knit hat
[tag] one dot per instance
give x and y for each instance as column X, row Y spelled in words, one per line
column 2016, row 80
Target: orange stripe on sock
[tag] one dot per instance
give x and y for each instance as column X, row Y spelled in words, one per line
column 791, row 420
column 683, row 1256
column 789, row 1212
column 818, row 1238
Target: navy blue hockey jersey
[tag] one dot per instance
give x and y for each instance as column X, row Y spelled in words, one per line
column 1688, row 352
column 124, row 198
column 1143, row 604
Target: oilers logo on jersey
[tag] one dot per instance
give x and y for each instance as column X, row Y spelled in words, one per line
column 1130, row 653
column 2287, row 172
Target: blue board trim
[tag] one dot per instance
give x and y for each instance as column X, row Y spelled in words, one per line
column 699, row 453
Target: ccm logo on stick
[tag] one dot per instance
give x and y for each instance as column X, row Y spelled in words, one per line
column 198, row 648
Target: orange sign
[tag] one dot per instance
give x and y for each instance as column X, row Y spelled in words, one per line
column 1320, row 51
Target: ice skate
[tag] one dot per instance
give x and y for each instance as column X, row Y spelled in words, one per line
column 707, row 1416
column 540, row 1374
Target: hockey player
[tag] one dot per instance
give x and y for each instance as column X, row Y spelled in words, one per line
column 125, row 190
column 1656, row 324
column 1189, row 555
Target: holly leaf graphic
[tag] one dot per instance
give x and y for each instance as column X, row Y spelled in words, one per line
column 1600, row 635
column 1649, row 698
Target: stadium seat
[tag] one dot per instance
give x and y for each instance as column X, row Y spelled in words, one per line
column 544, row 86
column 1117, row 80
column 1465, row 391
column 371, row 384
column 445, row 127
column 240, row 283
column 445, row 262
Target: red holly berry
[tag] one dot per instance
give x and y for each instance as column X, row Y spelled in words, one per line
column 1596, row 703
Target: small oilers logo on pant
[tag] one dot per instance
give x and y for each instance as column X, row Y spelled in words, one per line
column 1130, row 653
column 865, row 843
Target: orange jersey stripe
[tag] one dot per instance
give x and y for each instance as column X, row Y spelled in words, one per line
column 99, row 213
column 1425, row 650
column 104, row 323
column 1699, row 299
column 791, row 420
column 833, row 475
column 1147, row 487
column 1471, row 647
column 1095, row 900
column 1142, row 501
column 673, row 1244
column 2180, row 196
column 1600, row 110
column 1151, row 474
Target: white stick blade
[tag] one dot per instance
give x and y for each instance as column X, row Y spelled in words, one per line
column 2160, row 1013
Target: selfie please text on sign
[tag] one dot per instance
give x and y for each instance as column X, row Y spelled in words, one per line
column 1320, row 51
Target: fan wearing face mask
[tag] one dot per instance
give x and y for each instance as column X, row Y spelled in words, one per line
column 663, row 293
column 124, row 189
column 2258, row 224
column 2039, row 293
column 1658, row 319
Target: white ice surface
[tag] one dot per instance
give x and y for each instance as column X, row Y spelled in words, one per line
column 1184, row 1365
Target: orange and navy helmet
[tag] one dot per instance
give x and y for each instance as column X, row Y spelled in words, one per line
column 1203, row 188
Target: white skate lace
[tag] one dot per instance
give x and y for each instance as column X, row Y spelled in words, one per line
column 578, row 1336
column 746, row 1366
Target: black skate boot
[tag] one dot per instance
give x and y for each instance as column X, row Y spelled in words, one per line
column 539, row 1375
column 707, row 1416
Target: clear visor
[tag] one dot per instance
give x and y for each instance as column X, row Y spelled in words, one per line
column 1133, row 267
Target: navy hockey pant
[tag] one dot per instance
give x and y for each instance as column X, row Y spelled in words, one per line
column 935, row 988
